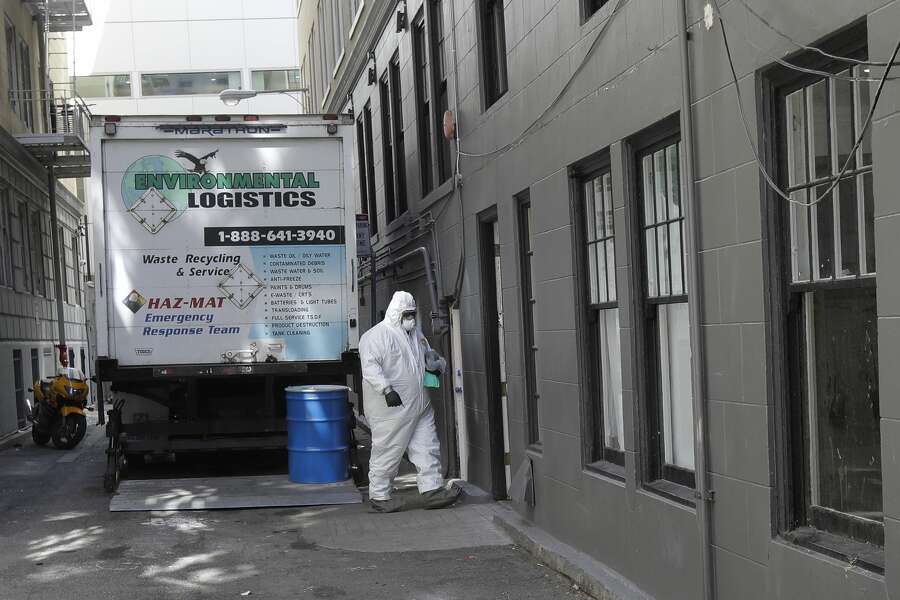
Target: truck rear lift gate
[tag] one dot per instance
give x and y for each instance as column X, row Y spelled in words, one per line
column 198, row 427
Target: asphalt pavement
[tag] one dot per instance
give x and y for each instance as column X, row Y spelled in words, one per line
column 58, row 540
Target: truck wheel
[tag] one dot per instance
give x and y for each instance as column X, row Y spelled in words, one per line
column 39, row 436
column 71, row 432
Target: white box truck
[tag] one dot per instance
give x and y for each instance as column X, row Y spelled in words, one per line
column 225, row 265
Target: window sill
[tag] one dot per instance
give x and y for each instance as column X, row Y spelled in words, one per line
column 858, row 554
column 672, row 491
column 536, row 449
column 606, row 470
column 398, row 223
column 437, row 194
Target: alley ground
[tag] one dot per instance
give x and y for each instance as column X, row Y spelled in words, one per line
column 58, row 540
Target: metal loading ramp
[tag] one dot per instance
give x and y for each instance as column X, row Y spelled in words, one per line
column 212, row 493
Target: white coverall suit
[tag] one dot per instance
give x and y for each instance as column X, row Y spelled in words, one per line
column 392, row 357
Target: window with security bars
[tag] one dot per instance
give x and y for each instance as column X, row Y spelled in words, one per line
column 670, row 419
column 829, row 302
column 598, row 260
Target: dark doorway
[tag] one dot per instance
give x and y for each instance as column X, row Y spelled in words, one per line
column 494, row 358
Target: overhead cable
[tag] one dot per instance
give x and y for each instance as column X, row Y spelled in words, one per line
column 850, row 156
column 527, row 131
column 803, row 46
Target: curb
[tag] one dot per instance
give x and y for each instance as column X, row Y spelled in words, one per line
column 471, row 494
column 13, row 438
column 591, row 576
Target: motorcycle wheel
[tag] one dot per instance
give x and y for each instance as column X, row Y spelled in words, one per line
column 39, row 436
column 71, row 432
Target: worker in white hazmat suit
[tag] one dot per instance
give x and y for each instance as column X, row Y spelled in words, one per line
column 395, row 356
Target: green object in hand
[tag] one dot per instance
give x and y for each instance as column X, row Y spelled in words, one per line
column 432, row 380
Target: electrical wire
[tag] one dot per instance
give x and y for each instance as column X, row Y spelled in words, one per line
column 807, row 70
column 518, row 140
column 762, row 167
column 803, row 46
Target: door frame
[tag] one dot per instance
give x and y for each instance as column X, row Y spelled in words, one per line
column 491, row 344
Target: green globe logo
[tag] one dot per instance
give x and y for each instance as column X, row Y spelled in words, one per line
column 156, row 164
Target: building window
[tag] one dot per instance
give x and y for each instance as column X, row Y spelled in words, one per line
column 337, row 29
column 392, row 142
column 180, row 84
column 36, row 250
column 439, row 85
column 828, row 303
column 326, row 42
column 35, row 365
column 589, row 7
column 12, row 71
column 368, row 167
column 83, row 360
column 21, row 254
column 281, row 79
column 76, row 269
column 493, row 53
column 526, row 255
column 597, row 261
column 423, row 102
column 103, row 86
column 354, row 13
column 63, row 265
column 316, row 65
column 71, row 356
column 26, row 96
column 6, row 243
column 669, row 410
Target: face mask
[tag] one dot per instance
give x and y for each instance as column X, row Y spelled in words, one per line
column 408, row 323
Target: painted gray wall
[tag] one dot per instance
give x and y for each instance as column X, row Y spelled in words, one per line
column 631, row 82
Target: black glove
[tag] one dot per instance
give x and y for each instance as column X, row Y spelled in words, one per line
column 393, row 399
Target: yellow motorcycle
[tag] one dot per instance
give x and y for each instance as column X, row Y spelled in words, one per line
column 59, row 412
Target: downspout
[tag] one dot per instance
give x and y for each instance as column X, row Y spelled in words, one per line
column 695, row 308
column 58, row 249
column 429, row 275
column 456, row 407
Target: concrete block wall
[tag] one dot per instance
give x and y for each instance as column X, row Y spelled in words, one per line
column 631, row 82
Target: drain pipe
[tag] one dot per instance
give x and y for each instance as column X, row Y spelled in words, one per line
column 703, row 494
column 429, row 274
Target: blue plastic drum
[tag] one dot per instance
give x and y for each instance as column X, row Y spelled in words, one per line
column 318, row 434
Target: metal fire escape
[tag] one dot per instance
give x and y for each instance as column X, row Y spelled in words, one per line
column 60, row 140
column 58, row 134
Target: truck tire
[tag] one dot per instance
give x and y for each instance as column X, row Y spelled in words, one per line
column 71, row 432
column 39, row 436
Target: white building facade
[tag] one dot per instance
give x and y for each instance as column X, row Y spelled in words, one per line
column 173, row 57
